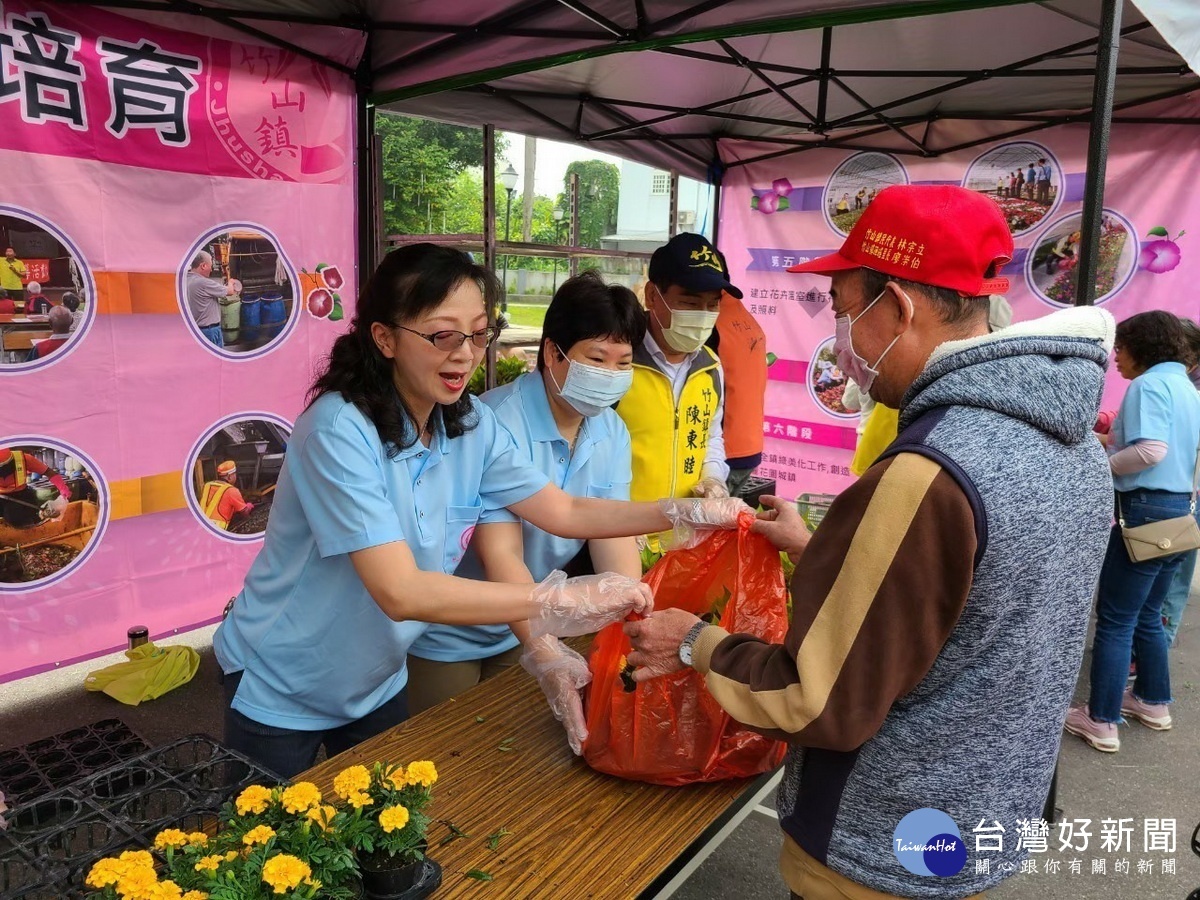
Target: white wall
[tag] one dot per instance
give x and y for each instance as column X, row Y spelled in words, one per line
column 639, row 212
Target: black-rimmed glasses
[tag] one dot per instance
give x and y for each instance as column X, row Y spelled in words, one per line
column 449, row 341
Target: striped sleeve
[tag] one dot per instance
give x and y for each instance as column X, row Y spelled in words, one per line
column 875, row 596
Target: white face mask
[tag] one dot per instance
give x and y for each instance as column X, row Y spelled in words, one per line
column 690, row 328
column 589, row 390
column 856, row 368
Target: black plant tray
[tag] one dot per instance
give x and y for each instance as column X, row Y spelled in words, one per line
column 44, row 765
column 53, row 839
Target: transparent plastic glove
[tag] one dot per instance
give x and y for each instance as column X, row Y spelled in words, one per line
column 562, row 674
column 52, row 510
column 691, row 518
column 712, row 488
column 575, row 606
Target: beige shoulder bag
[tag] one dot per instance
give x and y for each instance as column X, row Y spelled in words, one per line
column 1162, row 538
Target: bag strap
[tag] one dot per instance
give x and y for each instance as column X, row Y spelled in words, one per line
column 1191, row 506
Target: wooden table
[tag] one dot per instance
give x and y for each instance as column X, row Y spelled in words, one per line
column 575, row 833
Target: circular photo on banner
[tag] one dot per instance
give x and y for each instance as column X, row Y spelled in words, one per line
column 827, row 383
column 1051, row 263
column 1023, row 178
column 855, row 184
column 237, row 291
column 47, row 293
column 53, row 511
column 232, row 471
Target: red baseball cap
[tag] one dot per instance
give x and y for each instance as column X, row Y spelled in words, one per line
column 934, row 234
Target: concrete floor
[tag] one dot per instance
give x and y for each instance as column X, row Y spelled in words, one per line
column 1156, row 775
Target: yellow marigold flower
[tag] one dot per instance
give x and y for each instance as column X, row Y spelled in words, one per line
column 209, row 863
column 301, row 796
column 396, row 778
column 351, row 780
column 197, row 839
column 137, row 858
column 137, row 883
column 167, row 890
column 322, row 815
column 260, row 834
column 359, row 799
column 231, row 855
column 104, row 873
column 423, row 773
column 195, row 895
column 285, row 873
column 393, row 818
column 170, row 837
column 253, row 800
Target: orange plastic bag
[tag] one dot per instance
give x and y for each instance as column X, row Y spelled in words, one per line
column 670, row 730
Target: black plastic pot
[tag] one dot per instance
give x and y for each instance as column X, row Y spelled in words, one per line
column 384, row 879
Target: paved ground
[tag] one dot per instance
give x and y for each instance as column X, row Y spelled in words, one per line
column 1156, row 775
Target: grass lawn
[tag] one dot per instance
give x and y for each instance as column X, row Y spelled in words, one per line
column 522, row 314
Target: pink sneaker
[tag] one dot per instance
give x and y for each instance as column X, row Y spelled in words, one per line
column 1152, row 715
column 1101, row 735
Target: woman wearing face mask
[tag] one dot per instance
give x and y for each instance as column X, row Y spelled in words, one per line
column 562, row 421
column 387, row 472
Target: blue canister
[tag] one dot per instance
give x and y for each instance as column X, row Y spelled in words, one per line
column 251, row 318
column 274, row 315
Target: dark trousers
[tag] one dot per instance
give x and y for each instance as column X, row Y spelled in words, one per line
column 1043, row 192
column 24, row 509
column 288, row 752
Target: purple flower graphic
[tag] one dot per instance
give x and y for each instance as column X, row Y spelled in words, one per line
column 781, row 186
column 1161, row 255
column 768, row 203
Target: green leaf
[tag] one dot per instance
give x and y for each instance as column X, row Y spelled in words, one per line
column 480, row 719
column 338, row 314
column 771, row 359
column 1157, row 231
column 479, row 875
column 493, row 841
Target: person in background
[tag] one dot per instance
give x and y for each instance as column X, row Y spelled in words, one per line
column 1019, row 184
column 19, row 504
column 1031, row 180
column 206, row 295
column 1181, row 585
column 940, row 610
column 221, row 499
column 8, row 306
column 388, row 471
column 674, row 409
column 70, row 300
column 561, row 420
column 60, row 333
column 1152, row 454
column 12, row 275
column 36, row 303
column 1044, row 174
column 741, row 345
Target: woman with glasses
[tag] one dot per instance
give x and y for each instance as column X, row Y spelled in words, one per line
column 388, row 471
column 562, row 420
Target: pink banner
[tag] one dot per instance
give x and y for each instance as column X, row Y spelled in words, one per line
column 782, row 211
column 189, row 204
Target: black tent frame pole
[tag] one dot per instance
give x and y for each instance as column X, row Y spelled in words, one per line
column 1103, row 91
column 364, row 163
column 489, row 239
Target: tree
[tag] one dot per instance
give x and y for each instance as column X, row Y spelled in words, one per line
column 599, row 190
column 421, row 165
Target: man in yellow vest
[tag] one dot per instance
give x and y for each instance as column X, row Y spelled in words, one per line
column 221, row 500
column 675, row 407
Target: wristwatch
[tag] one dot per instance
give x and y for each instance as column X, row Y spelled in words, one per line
column 689, row 641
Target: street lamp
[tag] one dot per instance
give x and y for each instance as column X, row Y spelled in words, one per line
column 559, row 215
column 508, row 178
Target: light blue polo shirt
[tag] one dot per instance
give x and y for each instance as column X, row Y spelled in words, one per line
column 600, row 467
column 1160, row 405
column 316, row 651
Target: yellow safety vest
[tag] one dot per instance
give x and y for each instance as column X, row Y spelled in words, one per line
column 19, row 474
column 669, row 441
column 877, row 436
column 213, row 492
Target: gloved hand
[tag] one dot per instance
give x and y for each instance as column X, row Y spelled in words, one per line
column 52, row 510
column 575, row 606
column 562, row 674
column 249, row 508
column 692, row 518
column 710, row 487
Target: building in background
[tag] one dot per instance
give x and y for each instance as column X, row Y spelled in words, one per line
column 645, row 204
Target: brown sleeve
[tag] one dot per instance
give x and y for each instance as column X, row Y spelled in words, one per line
column 875, row 596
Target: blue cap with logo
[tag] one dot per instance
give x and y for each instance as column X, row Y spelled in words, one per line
column 691, row 262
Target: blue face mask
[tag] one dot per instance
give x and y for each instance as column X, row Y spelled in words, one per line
column 589, row 390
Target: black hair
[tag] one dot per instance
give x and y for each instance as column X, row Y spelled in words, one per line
column 585, row 308
column 408, row 282
column 952, row 308
column 71, row 301
column 1192, row 332
column 1153, row 337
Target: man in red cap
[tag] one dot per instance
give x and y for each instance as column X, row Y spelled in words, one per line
column 939, row 611
column 221, row 500
column 19, row 504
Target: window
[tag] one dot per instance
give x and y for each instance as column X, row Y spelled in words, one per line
column 660, row 183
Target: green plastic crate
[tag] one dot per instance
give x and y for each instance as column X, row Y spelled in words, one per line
column 813, row 508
